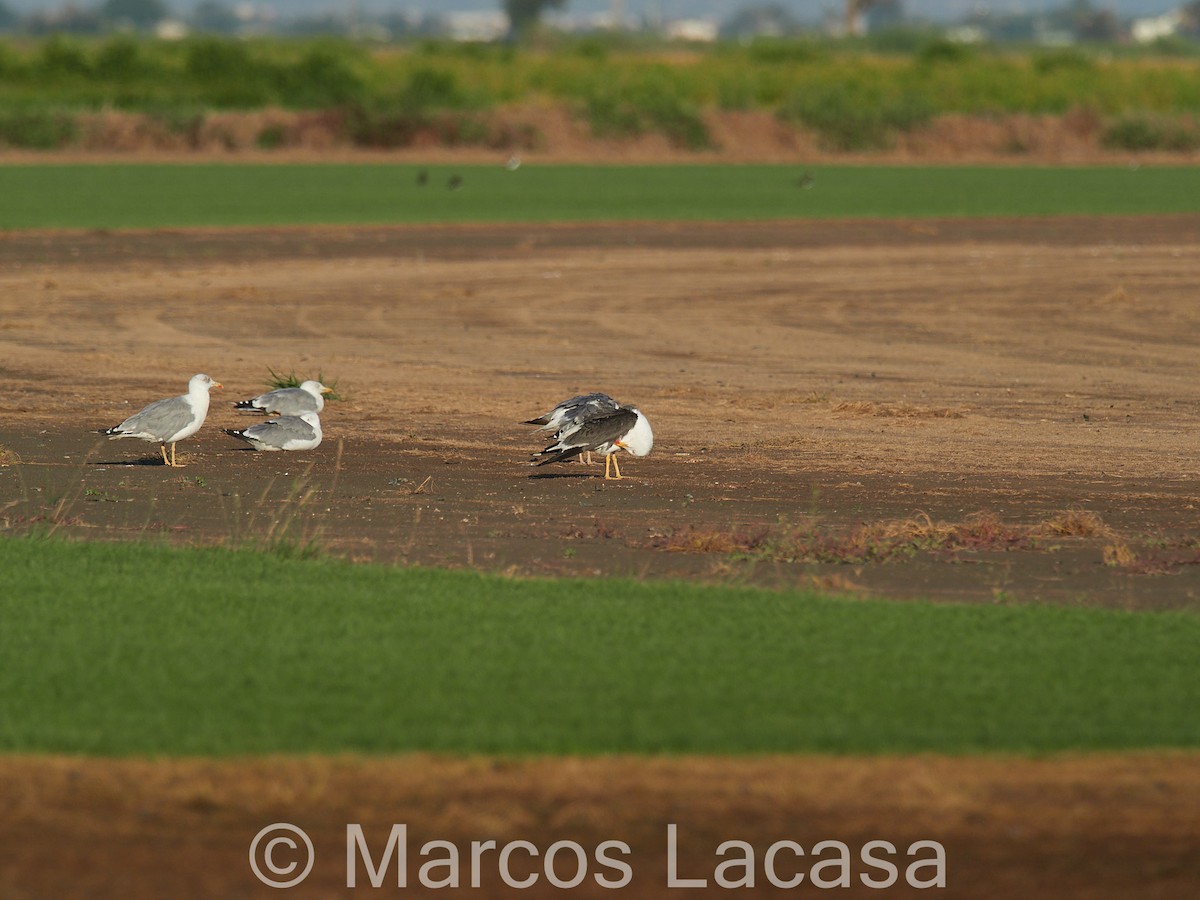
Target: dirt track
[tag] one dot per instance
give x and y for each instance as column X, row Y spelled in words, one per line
column 811, row 374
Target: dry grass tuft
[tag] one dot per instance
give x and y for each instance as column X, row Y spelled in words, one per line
column 855, row 408
column 895, row 411
column 983, row 532
column 8, row 456
column 711, row 540
column 1119, row 555
column 1074, row 523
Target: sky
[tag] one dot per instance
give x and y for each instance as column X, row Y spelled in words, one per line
column 718, row 9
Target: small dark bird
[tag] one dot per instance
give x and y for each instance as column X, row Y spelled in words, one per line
column 422, row 178
column 455, row 182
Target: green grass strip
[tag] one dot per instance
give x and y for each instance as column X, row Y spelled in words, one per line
column 157, row 196
column 142, row 649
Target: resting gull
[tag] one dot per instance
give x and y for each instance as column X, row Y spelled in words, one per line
column 302, row 432
column 309, row 397
column 171, row 420
column 624, row 429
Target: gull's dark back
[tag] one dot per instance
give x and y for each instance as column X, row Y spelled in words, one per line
column 590, row 434
column 575, row 410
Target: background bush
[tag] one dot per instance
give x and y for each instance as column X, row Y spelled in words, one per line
column 856, row 96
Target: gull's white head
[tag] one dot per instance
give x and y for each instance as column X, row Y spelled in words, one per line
column 639, row 440
column 315, row 388
column 312, row 419
column 202, row 384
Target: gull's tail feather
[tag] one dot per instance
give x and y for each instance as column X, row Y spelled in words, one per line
column 557, row 455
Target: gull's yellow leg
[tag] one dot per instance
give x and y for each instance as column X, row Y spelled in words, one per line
column 617, row 466
column 174, row 465
column 162, row 448
column 607, row 464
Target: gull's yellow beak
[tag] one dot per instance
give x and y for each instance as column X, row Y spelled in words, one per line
column 217, row 384
column 326, row 390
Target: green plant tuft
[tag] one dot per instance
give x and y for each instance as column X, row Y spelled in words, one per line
column 291, row 379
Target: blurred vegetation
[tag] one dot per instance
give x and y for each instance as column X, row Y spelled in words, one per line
column 855, row 95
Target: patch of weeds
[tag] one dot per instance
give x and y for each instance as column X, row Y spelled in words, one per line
column 790, row 52
column 63, row 57
column 627, row 111
column 1119, row 555
column 879, row 541
column 1075, row 523
column 941, row 51
column 286, row 548
column 430, row 101
column 180, row 121
column 38, row 129
column 852, row 117
column 323, row 77
column 8, row 456
column 895, row 411
column 710, row 540
column 1064, row 60
column 272, row 137
column 121, row 60
column 1159, row 557
column 97, row 495
column 1145, row 132
column 291, row 380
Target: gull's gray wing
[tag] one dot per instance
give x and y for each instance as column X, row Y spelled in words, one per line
column 283, row 401
column 288, row 401
column 279, row 432
column 159, row 420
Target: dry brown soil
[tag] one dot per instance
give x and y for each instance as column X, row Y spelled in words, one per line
column 1086, row 828
column 815, row 375
column 807, row 374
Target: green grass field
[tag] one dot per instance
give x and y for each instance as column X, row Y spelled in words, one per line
column 156, row 196
column 143, row 649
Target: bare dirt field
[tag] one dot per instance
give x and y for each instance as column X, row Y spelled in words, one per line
column 862, row 385
column 1095, row 827
column 858, row 382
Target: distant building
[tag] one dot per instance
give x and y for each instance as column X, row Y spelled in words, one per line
column 480, row 26
column 1147, row 31
column 171, row 30
column 698, row 30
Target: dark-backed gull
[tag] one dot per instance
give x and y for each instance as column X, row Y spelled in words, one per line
column 573, row 411
column 624, row 429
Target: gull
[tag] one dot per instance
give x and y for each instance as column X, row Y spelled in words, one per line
column 575, row 410
column 168, row 421
column 289, row 401
column 302, row 432
column 624, row 429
